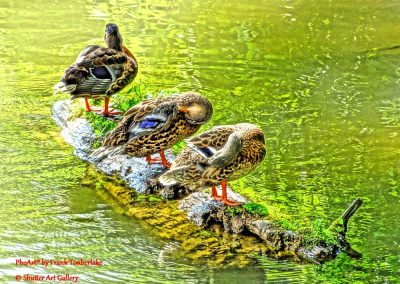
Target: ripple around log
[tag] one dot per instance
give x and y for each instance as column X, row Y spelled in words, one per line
column 200, row 208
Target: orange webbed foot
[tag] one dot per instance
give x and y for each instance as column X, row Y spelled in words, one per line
column 110, row 113
column 107, row 111
column 214, row 193
column 231, row 203
column 151, row 160
column 224, row 198
column 162, row 160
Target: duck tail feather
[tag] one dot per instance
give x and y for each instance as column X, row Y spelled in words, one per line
column 61, row 87
column 174, row 176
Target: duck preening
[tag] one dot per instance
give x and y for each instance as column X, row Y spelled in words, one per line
column 221, row 154
column 100, row 72
column 154, row 125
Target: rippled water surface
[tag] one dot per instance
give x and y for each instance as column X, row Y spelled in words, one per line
column 302, row 70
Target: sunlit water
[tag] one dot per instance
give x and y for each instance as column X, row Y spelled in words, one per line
column 300, row 69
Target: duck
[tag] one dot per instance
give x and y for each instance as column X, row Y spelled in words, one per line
column 155, row 125
column 100, row 72
column 221, row 154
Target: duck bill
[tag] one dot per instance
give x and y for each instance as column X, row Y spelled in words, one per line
column 183, row 109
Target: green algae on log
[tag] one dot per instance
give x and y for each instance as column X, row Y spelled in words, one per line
column 211, row 246
column 302, row 245
column 233, row 234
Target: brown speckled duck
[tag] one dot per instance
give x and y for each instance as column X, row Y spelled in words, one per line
column 100, row 72
column 154, row 125
column 216, row 156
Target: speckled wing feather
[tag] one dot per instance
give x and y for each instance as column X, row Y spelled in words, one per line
column 120, row 134
column 144, row 107
column 220, row 146
column 96, row 70
column 129, row 72
column 98, row 56
column 228, row 153
column 214, row 138
column 222, row 153
column 204, row 146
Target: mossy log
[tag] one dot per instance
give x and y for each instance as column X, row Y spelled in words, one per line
column 206, row 212
column 247, row 232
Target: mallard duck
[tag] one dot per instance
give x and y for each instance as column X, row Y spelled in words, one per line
column 154, row 125
column 221, row 154
column 100, row 72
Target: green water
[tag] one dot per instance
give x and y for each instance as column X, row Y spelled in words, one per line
column 299, row 69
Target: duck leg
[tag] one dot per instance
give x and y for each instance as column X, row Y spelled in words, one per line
column 108, row 112
column 162, row 160
column 151, row 160
column 225, row 196
column 214, row 193
column 89, row 108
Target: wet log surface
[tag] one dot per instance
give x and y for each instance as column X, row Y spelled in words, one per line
column 198, row 207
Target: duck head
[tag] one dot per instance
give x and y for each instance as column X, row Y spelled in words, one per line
column 112, row 37
column 197, row 109
column 250, row 132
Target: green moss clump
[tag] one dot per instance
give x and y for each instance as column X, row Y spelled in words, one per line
column 125, row 100
column 251, row 208
column 287, row 225
column 122, row 101
column 178, row 147
column 233, row 211
column 148, row 198
column 97, row 102
column 256, row 209
column 319, row 234
column 155, row 198
column 100, row 125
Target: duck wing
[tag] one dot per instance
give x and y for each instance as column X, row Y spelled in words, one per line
column 205, row 157
column 148, row 117
column 93, row 73
column 219, row 146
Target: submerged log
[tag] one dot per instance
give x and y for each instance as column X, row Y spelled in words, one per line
column 205, row 211
column 200, row 208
